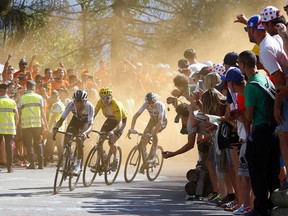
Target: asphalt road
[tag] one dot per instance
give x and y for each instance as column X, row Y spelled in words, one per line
column 29, row 192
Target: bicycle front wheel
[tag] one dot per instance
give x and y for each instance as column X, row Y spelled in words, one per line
column 132, row 164
column 61, row 172
column 73, row 179
column 155, row 168
column 91, row 167
column 111, row 169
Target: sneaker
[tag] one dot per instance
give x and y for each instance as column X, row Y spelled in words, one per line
column 113, row 166
column 229, row 206
column 246, row 210
column 152, row 160
column 239, row 210
column 211, row 196
column 228, row 198
column 284, row 185
column 215, row 200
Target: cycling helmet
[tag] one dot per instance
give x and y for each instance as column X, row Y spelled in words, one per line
column 104, row 92
column 151, row 97
column 80, row 95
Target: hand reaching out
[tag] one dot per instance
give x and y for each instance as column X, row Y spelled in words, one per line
column 241, row 18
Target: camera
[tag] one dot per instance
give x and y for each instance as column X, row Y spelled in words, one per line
column 171, row 100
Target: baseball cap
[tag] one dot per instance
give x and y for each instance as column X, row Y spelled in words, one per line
column 3, row 86
column 254, row 22
column 204, row 71
column 231, row 58
column 219, row 68
column 36, row 64
column 23, row 61
column 31, row 82
column 269, row 13
column 233, row 74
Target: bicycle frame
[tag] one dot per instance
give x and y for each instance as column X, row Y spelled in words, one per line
column 66, row 164
column 98, row 163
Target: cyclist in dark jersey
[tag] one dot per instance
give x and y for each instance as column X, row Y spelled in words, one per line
column 81, row 122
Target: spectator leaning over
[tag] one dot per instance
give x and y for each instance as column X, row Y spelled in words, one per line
column 262, row 150
column 183, row 68
column 33, row 122
column 274, row 60
column 8, row 121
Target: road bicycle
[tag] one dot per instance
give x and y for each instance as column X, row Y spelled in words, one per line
column 136, row 155
column 99, row 162
column 67, row 163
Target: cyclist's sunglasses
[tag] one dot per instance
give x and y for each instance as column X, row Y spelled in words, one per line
column 106, row 98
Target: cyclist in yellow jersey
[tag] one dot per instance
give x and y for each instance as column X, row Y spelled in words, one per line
column 115, row 123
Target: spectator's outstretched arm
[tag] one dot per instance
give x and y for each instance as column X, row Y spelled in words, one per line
column 183, row 149
column 282, row 31
column 241, row 18
column 5, row 69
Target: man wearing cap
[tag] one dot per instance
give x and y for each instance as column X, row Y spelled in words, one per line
column 8, row 121
column 33, row 121
column 22, row 74
column 262, row 151
column 271, row 18
column 230, row 60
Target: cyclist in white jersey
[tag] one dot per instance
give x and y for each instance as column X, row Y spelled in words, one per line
column 157, row 122
column 81, row 122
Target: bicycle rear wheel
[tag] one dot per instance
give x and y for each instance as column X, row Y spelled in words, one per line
column 73, row 180
column 110, row 173
column 61, row 172
column 91, row 167
column 155, row 168
column 132, row 164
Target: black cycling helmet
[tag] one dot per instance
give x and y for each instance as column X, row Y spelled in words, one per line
column 151, row 97
column 80, row 95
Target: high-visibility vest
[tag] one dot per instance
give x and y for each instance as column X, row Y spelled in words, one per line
column 8, row 111
column 62, row 128
column 31, row 110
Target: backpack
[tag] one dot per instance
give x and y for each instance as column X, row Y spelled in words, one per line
column 270, row 93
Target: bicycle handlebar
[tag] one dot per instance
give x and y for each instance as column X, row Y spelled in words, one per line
column 66, row 133
column 99, row 132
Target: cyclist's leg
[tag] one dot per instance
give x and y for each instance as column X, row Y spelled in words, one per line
column 108, row 126
column 155, row 137
column 117, row 134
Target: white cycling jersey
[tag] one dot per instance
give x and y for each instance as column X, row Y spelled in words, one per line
column 87, row 114
column 157, row 111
